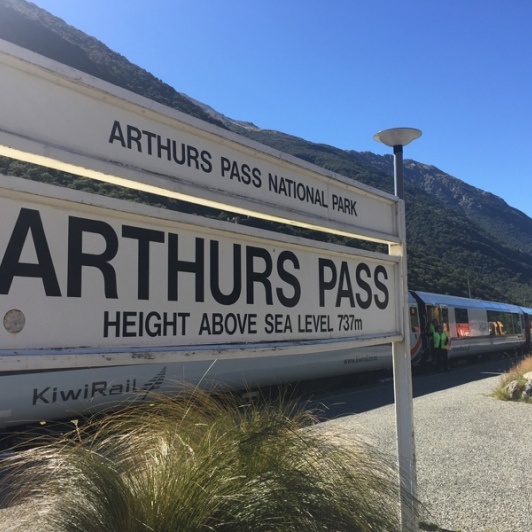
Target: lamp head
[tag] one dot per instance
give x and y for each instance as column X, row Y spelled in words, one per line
column 399, row 136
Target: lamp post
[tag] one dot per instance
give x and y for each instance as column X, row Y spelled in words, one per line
column 402, row 370
column 396, row 138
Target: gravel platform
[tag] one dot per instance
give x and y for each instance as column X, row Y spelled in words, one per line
column 472, row 452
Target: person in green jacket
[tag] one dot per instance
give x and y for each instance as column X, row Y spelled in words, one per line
column 440, row 342
column 428, row 353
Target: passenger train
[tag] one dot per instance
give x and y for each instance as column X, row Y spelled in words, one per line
column 34, row 387
column 474, row 327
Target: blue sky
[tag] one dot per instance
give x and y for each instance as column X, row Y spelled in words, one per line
column 338, row 71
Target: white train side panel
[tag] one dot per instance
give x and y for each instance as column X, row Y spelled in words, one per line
column 475, row 327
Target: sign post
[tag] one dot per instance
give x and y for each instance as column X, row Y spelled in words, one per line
column 402, row 369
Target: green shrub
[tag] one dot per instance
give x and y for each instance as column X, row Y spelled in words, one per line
column 204, row 464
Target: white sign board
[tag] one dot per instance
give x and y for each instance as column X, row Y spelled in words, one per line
column 82, row 270
column 59, row 117
column 94, row 274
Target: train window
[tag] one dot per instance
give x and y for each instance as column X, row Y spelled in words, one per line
column 496, row 324
column 414, row 320
column 517, row 325
column 461, row 315
column 445, row 319
column 462, row 321
column 503, row 323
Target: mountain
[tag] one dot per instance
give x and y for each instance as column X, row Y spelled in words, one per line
column 491, row 213
column 461, row 240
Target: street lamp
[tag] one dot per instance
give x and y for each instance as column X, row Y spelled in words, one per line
column 402, row 371
column 396, row 138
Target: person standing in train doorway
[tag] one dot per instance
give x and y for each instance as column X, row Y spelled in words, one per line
column 429, row 354
column 441, row 344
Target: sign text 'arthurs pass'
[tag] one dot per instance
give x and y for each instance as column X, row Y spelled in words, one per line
column 29, row 232
column 150, row 280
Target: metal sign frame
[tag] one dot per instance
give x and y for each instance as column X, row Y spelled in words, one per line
column 56, row 116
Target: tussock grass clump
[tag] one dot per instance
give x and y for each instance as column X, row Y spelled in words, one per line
column 203, row 464
column 512, row 385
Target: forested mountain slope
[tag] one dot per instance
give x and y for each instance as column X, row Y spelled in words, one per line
column 461, row 240
column 504, row 223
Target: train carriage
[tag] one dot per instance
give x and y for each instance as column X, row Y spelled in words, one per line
column 474, row 326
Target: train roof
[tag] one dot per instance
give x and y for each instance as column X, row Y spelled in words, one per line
column 465, row 302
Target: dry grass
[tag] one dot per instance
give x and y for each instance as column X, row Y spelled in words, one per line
column 514, row 374
column 203, row 464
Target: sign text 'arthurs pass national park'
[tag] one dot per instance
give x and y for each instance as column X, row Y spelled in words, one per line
column 244, row 174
